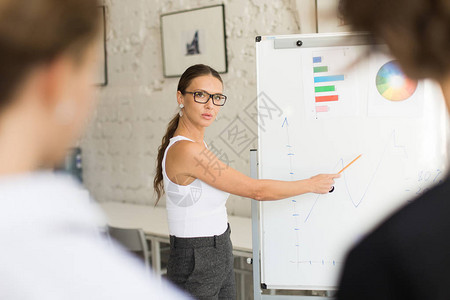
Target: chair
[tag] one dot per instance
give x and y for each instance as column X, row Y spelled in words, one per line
column 133, row 239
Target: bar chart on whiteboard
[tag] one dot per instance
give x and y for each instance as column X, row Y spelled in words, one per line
column 332, row 91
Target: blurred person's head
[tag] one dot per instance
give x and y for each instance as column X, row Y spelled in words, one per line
column 416, row 31
column 48, row 52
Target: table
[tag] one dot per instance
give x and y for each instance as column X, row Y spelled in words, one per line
column 153, row 221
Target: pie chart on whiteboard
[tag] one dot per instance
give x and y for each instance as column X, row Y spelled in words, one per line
column 392, row 84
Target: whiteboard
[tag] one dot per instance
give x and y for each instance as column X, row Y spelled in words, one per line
column 320, row 105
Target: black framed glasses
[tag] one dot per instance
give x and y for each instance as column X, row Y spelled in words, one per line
column 203, row 97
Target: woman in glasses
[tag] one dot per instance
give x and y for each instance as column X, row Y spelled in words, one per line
column 197, row 185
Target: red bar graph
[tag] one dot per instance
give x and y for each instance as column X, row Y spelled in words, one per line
column 327, row 98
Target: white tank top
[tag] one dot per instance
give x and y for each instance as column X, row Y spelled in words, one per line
column 196, row 209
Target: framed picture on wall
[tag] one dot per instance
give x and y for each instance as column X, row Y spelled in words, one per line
column 328, row 17
column 194, row 36
column 101, row 78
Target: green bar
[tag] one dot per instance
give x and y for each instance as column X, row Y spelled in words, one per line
column 327, row 88
column 320, row 69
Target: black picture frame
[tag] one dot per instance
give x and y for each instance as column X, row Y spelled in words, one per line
column 102, row 76
column 206, row 27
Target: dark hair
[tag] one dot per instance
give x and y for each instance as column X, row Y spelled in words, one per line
column 416, row 31
column 35, row 32
column 185, row 80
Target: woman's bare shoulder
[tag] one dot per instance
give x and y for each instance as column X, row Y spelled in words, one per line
column 185, row 150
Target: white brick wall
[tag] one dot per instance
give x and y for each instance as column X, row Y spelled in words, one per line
column 119, row 148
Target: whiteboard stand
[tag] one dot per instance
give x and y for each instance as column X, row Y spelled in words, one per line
column 257, row 292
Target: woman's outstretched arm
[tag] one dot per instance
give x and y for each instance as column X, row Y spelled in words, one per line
column 191, row 160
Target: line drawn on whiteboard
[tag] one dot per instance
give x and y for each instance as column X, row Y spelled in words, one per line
column 290, row 154
column 392, row 139
column 288, row 146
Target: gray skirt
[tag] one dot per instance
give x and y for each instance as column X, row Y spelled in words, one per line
column 203, row 266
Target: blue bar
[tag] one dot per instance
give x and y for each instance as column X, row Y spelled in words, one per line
column 317, row 59
column 328, row 78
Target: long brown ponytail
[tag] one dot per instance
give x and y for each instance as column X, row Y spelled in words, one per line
column 158, row 181
column 185, row 80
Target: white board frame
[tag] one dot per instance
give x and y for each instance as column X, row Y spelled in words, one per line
column 280, row 42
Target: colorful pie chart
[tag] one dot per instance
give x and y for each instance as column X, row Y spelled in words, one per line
column 392, row 84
